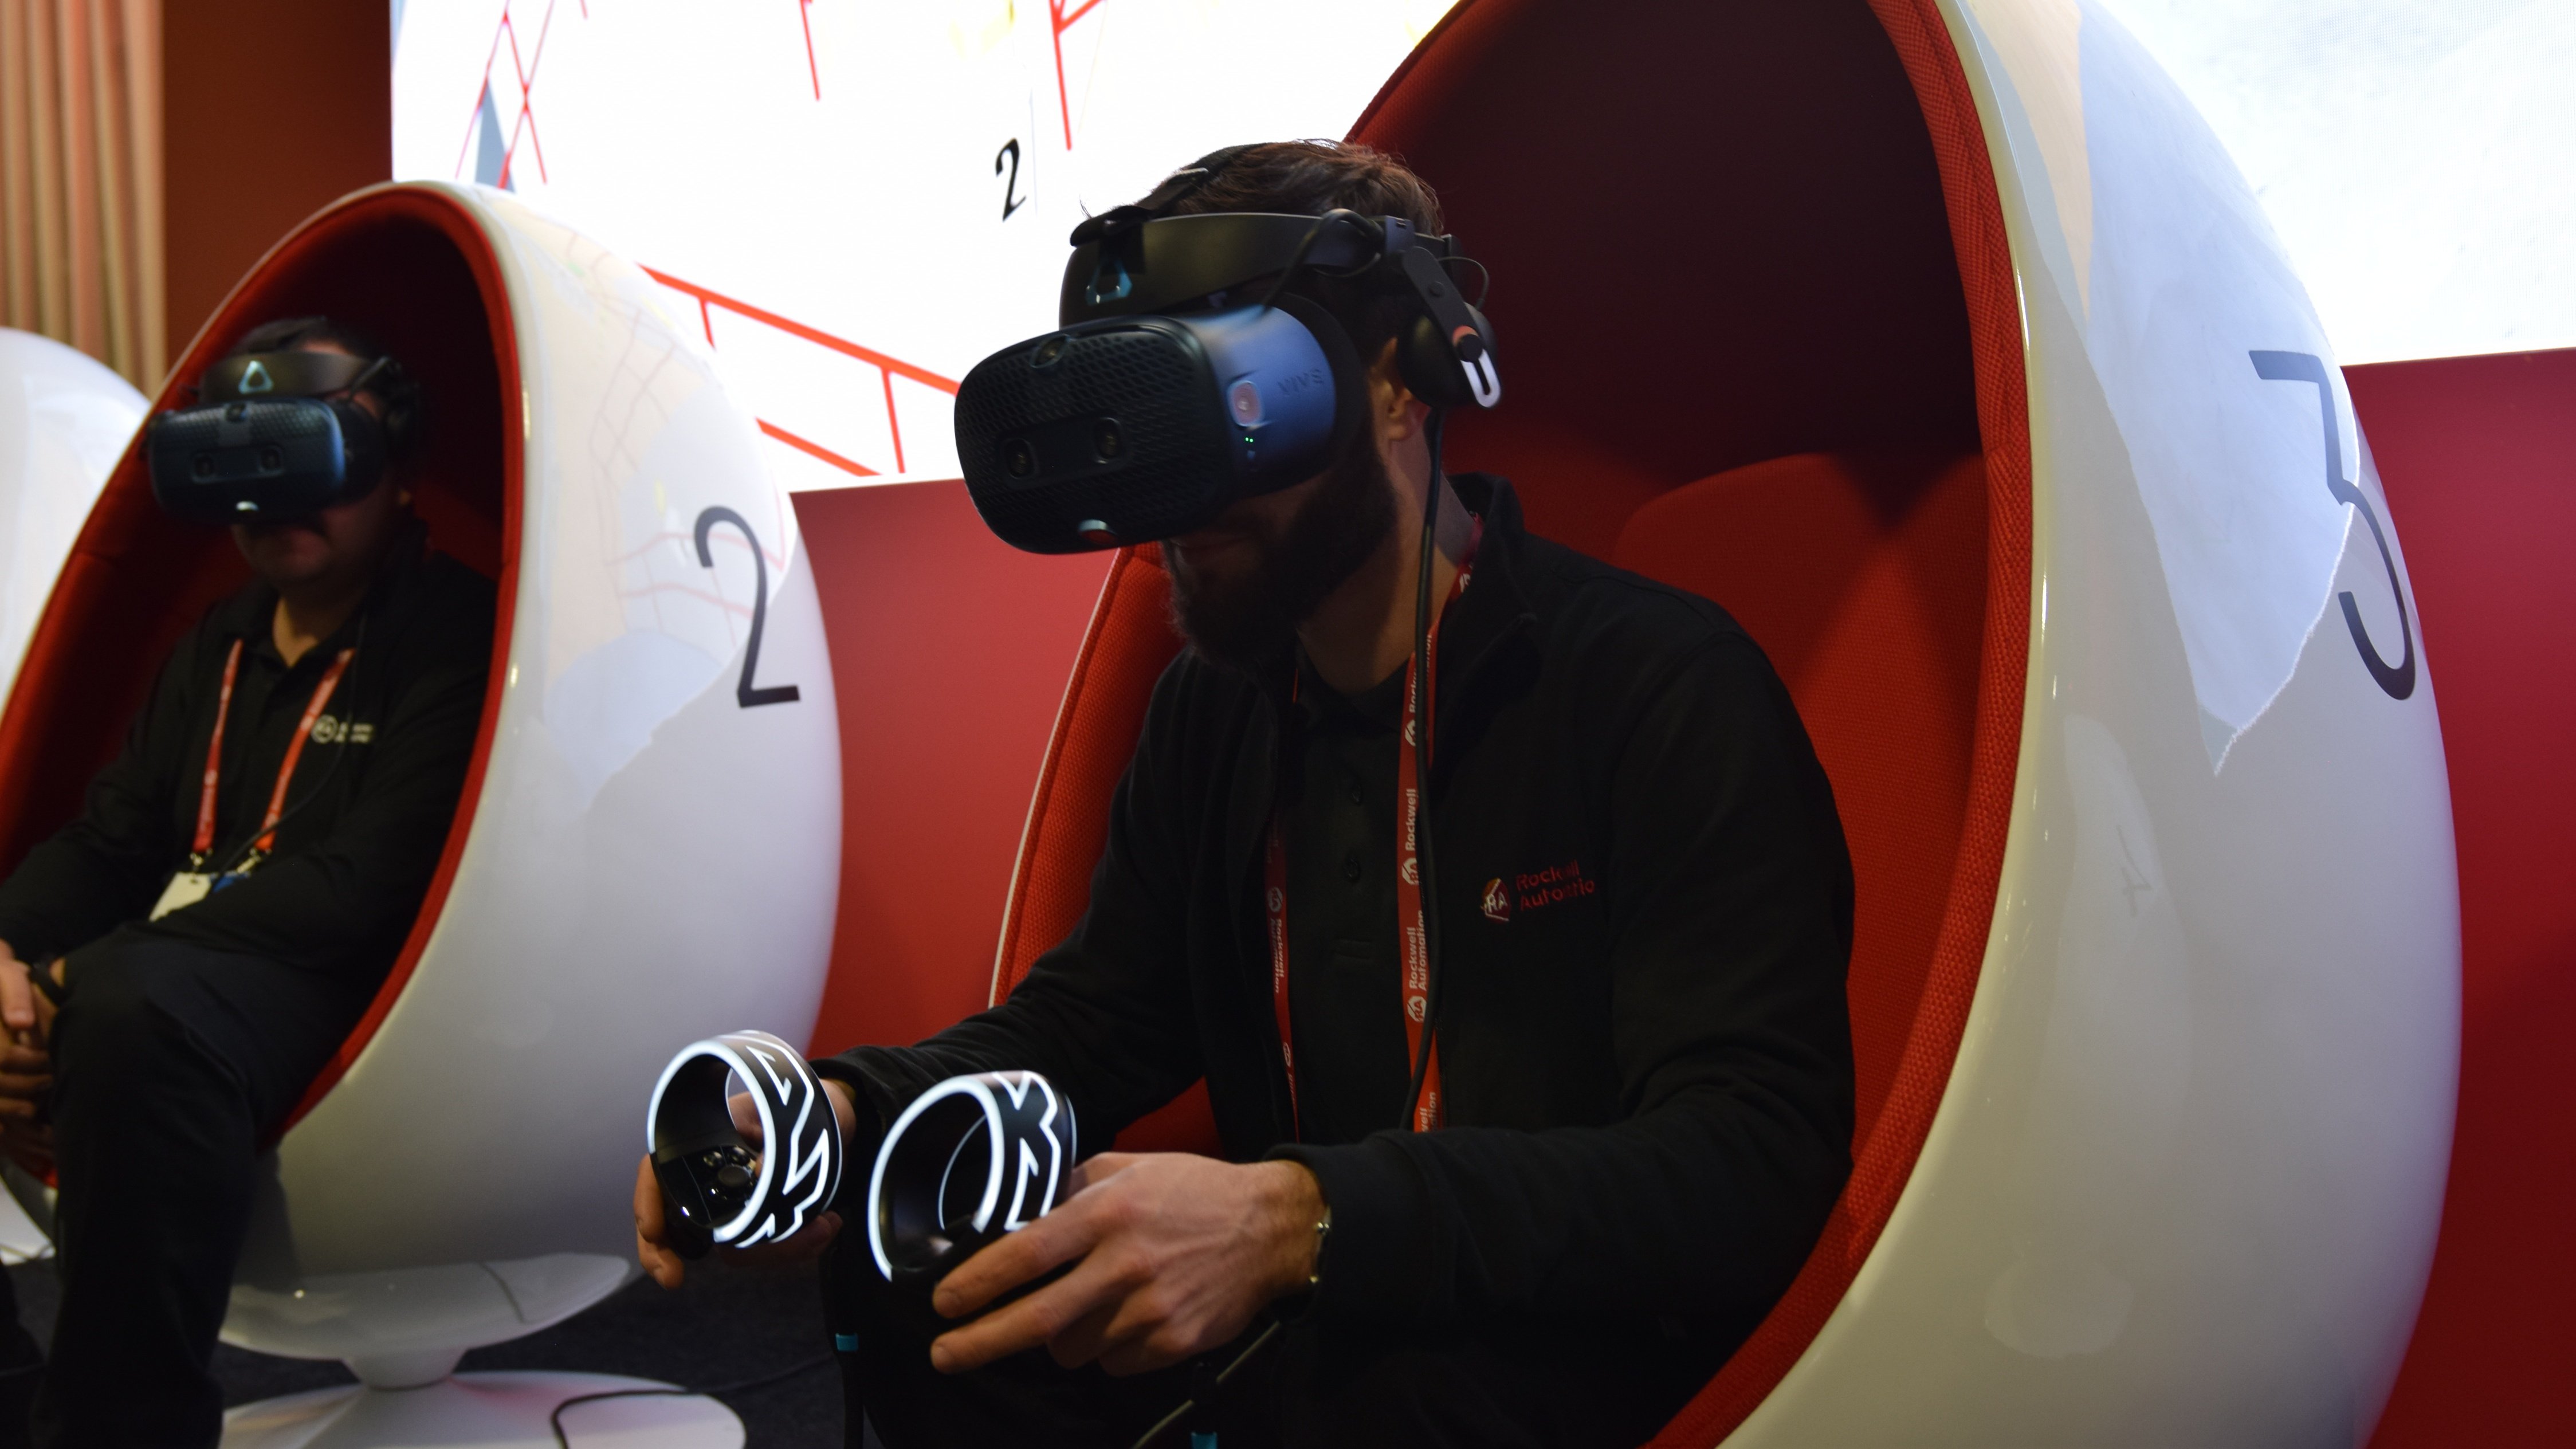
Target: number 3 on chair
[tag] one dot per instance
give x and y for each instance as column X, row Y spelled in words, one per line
column 745, row 693
column 2397, row 679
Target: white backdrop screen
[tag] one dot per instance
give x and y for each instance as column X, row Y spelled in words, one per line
column 857, row 200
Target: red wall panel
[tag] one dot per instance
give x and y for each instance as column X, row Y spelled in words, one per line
column 2478, row 455
column 950, row 652
column 270, row 111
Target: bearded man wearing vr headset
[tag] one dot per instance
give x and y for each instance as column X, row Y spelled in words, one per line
column 178, row 962
column 1631, row 1108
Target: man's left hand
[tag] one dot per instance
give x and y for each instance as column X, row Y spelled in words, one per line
column 26, row 1064
column 1177, row 1253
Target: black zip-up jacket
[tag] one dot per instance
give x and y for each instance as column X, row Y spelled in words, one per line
column 363, row 833
column 1646, row 1054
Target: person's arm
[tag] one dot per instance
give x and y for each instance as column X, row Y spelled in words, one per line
column 339, row 903
column 109, row 864
column 1105, row 1015
column 1729, row 897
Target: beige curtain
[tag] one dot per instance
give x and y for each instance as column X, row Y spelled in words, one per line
column 80, row 178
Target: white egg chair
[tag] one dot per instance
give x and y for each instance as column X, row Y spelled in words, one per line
column 64, row 420
column 648, row 841
column 1940, row 341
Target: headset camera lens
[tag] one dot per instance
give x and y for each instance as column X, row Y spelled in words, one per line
column 203, row 465
column 270, row 460
column 1048, row 351
column 1019, row 458
column 1105, row 439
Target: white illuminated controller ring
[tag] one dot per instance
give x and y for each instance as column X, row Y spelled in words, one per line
column 970, row 1160
column 717, row 1188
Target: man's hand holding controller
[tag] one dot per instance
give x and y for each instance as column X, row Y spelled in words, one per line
column 26, row 1063
column 652, row 1232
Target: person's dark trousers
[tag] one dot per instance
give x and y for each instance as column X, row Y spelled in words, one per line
column 170, row 1061
column 883, row 1352
column 1591, row 1386
column 20, row 1362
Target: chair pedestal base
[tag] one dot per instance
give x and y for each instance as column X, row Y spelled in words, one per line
column 487, row 1411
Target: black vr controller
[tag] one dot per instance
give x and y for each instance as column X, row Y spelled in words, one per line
column 970, row 1160
column 1177, row 387
column 717, row 1187
column 272, row 436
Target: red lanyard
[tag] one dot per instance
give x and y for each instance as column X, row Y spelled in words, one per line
column 1418, row 689
column 285, row 772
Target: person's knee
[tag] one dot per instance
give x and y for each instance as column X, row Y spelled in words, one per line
column 114, row 1042
column 109, row 1021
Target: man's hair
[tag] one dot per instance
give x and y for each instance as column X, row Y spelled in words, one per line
column 1310, row 178
column 392, row 388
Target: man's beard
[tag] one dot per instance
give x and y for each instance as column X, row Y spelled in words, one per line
column 1249, row 618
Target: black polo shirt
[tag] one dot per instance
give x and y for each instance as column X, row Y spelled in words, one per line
column 368, row 809
column 1345, row 977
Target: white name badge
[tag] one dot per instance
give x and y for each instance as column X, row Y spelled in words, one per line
column 185, row 889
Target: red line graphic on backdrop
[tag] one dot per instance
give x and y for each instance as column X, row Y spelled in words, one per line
column 888, row 368
column 1060, row 17
column 805, row 13
column 524, row 71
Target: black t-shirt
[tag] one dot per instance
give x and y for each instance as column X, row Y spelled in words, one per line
column 1345, row 986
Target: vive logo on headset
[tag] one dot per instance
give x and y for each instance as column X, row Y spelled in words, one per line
column 255, row 378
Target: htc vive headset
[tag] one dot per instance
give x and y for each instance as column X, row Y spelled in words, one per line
column 268, row 439
column 1174, row 389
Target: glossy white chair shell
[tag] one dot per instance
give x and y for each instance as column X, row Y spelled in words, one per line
column 648, row 845
column 64, row 418
column 2164, row 1154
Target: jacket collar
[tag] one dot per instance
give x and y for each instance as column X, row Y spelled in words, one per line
column 1496, row 605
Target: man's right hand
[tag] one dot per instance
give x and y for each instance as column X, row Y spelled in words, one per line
column 652, row 1240
column 26, row 1067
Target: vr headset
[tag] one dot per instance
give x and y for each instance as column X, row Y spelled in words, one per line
column 266, row 439
column 1174, row 389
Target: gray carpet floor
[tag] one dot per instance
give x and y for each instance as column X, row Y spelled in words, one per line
column 726, row 1325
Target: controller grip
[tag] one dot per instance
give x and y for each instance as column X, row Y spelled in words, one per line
column 688, row 1223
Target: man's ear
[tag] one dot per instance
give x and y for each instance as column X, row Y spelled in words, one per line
column 1394, row 411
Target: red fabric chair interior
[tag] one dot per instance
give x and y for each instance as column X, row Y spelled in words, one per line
column 1760, row 339
column 1864, row 578
column 415, row 271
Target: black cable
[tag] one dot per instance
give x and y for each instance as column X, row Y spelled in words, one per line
column 555, row 1419
column 1483, row 286
column 1422, row 771
column 1174, row 1417
column 1306, row 243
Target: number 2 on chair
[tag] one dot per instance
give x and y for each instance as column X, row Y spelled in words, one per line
column 745, row 693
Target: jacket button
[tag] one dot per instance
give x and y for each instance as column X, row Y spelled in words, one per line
column 1351, row 867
